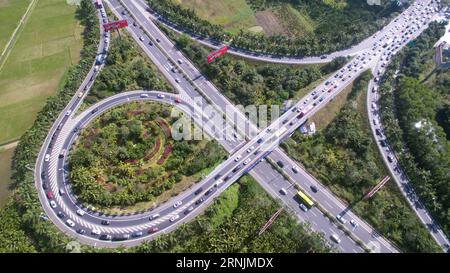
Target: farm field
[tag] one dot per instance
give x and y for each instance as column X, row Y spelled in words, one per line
column 11, row 11
column 231, row 14
column 48, row 44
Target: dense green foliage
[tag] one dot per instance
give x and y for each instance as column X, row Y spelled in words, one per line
column 248, row 84
column 126, row 69
column 232, row 223
column 337, row 29
column 127, row 155
column 344, row 157
column 424, row 154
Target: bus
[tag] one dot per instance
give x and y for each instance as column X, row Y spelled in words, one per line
column 305, row 198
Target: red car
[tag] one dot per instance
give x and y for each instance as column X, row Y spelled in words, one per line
column 177, row 100
column 153, row 230
column 50, row 195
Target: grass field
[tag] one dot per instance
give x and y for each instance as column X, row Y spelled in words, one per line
column 49, row 43
column 5, row 174
column 11, row 11
column 232, row 14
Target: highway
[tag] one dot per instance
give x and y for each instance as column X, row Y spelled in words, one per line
column 262, row 171
column 390, row 159
column 258, row 56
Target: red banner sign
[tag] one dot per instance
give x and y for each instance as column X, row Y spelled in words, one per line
column 217, row 54
column 115, row 25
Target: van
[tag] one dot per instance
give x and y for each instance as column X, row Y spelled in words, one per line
column 335, row 238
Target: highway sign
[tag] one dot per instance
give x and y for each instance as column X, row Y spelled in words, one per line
column 115, row 25
column 217, row 53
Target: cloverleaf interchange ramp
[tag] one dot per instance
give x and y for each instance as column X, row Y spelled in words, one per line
column 189, row 89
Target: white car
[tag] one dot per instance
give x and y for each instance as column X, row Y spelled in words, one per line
column 144, row 95
column 250, row 149
column 174, row 218
column 180, row 61
column 247, row 161
column 283, row 191
column 177, row 204
column 237, row 158
column 303, row 207
column 341, row 219
column 95, row 232
column 161, row 96
column 141, row 38
column 68, row 112
column 47, row 157
column 354, row 223
column 61, row 191
column 70, row 223
column 295, row 169
column 177, row 80
column 52, row 204
column 80, row 212
column 335, row 238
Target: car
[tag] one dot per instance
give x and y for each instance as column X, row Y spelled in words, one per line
column 50, row 195
column 303, row 207
column 174, row 218
column 105, row 237
column 390, row 159
column 220, row 181
column 143, row 95
column 378, row 131
column 68, row 112
column 80, row 212
column 47, row 158
column 197, row 192
column 61, row 191
column 70, row 223
column 199, row 201
column 283, row 191
column 94, row 110
column 81, row 231
column 134, row 24
column 247, row 161
column 295, row 169
column 137, row 234
column 237, row 158
column 177, row 80
column 250, row 149
column 153, row 217
column 341, row 219
column 161, row 96
column 354, row 223
column 177, row 204
column 335, row 238
column 158, row 40
column 141, row 38
column 153, row 230
column 227, row 178
column 80, row 94
column 105, row 222
column 280, row 163
column 45, row 186
column 179, row 61
column 313, row 188
column 174, row 70
column 177, row 100
column 189, row 210
column 150, row 43
column 209, row 191
column 237, row 168
column 95, row 232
